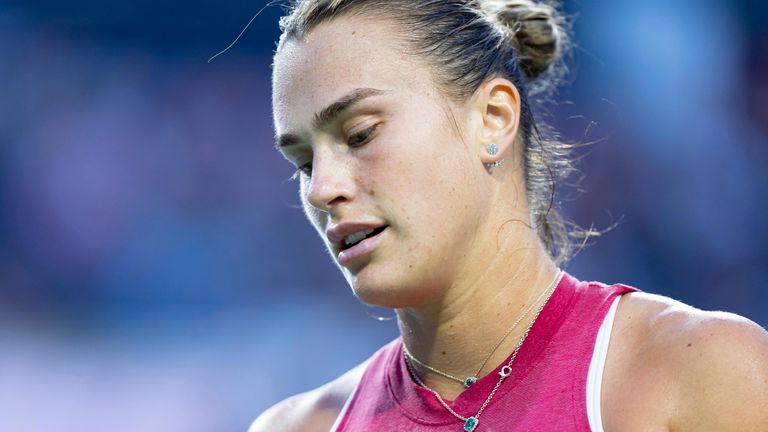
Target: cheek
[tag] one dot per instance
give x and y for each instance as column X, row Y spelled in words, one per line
column 426, row 179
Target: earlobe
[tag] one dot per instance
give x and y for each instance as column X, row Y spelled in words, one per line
column 493, row 150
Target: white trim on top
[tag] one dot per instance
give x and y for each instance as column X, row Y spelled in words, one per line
column 596, row 367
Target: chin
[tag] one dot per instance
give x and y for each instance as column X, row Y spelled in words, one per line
column 380, row 298
column 387, row 294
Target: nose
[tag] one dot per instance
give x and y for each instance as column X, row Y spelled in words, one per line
column 331, row 182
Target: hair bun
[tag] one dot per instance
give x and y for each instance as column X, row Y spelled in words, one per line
column 536, row 31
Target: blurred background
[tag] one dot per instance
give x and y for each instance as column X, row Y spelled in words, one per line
column 157, row 274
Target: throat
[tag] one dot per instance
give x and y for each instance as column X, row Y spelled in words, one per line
column 475, row 342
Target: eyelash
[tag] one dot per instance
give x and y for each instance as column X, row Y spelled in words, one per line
column 365, row 136
column 298, row 172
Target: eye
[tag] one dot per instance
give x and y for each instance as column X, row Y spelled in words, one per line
column 362, row 137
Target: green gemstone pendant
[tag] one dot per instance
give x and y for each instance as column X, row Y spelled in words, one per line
column 468, row 381
column 471, row 424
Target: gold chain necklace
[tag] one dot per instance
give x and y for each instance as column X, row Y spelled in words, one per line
column 471, row 379
column 470, row 423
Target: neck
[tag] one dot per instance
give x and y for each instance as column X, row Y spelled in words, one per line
column 457, row 333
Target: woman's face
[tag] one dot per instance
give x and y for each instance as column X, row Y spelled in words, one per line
column 383, row 151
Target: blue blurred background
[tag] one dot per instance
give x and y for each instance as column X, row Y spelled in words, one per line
column 157, row 274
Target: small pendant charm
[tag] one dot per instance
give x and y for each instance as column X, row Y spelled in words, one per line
column 468, row 381
column 471, row 424
column 505, row 371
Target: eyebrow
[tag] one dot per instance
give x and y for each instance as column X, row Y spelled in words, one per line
column 330, row 113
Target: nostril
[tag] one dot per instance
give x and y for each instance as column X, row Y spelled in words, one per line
column 326, row 195
column 337, row 200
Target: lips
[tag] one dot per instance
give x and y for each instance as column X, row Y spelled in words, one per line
column 362, row 249
column 375, row 232
column 337, row 233
column 365, row 237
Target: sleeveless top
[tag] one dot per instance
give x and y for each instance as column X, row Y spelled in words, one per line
column 546, row 391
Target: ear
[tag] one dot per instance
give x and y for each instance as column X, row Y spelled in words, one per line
column 498, row 103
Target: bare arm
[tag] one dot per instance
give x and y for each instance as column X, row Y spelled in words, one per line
column 312, row 411
column 724, row 379
column 672, row 367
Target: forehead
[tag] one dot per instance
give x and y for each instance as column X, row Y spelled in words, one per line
column 337, row 57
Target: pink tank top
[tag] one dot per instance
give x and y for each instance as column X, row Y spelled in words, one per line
column 545, row 392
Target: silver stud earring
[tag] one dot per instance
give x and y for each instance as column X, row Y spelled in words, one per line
column 493, row 150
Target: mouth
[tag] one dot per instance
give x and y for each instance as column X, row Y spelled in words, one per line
column 374, row 233
column 351, row 253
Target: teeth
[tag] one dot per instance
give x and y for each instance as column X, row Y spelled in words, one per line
column 356, row 237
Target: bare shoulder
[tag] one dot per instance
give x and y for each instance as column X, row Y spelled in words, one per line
column 689, row 369
column 315, row 410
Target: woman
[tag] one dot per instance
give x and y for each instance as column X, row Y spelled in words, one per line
column 422, row 167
